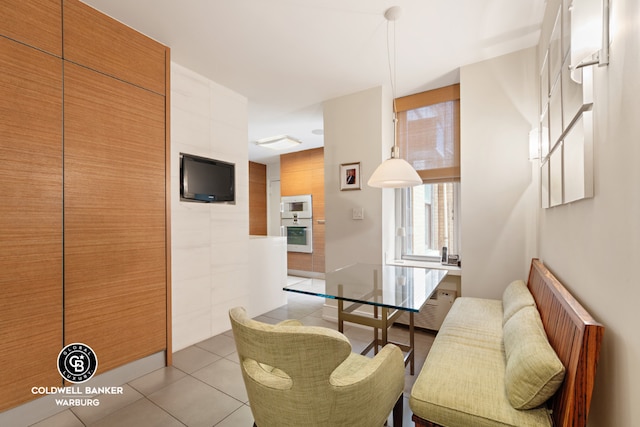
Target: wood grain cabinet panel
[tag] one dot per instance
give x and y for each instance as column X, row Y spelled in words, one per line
column 37, row 23
column 101, row 43
column 295, row 173
column 30, row 220
column 115, row 241
column 302, row 172
column 257, row 199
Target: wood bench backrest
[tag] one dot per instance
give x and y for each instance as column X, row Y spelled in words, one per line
column 576, row 338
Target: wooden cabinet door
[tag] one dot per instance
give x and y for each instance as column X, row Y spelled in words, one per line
column 114, row 217
column 30, row 220
column 37, row 23
column 257, row 199
column 101, row 43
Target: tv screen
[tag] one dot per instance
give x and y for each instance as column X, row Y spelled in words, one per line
column 206, row 180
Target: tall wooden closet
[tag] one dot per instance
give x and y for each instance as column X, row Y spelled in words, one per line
column 84, row 206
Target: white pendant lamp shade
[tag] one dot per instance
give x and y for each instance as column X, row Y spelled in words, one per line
column 394, row 173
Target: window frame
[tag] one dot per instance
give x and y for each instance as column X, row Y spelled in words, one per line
column 405, row 230
column 430, row 176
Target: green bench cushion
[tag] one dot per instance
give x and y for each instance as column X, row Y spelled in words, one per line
column 462, row 382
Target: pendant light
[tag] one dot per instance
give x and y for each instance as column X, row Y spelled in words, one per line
column 394, row 172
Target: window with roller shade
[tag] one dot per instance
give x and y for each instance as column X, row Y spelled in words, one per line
column 429, row 138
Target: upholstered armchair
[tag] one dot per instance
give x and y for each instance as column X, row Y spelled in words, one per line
column 299, row 375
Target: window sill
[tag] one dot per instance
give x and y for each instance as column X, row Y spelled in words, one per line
column 452, row 269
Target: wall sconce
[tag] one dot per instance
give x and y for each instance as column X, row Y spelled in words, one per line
column 534, row 144
column 537, row 141
column 589, row 35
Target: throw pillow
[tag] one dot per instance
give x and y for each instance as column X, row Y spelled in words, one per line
column 515, row 297
column 533, row 370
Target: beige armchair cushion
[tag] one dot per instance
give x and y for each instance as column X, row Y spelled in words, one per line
column 304, row 375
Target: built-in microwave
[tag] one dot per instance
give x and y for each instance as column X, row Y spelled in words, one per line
column 296, row 207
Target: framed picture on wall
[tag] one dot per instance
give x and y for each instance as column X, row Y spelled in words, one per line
column 350, row 176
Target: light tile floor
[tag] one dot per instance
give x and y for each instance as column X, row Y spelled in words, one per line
column 204, row 386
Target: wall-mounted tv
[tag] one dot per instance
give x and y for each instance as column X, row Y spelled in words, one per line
column 206, row 180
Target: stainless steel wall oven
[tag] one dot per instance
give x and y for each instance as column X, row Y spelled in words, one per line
column 296, row 220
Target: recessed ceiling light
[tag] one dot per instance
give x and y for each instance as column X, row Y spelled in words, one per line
column 280, row 142
column 318, row 131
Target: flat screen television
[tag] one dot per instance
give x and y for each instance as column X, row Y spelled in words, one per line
column 206, row 180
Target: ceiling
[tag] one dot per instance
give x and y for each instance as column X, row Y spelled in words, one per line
column 288, row 56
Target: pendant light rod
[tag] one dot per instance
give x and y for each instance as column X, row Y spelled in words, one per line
column 391, row 15
column 395, row 150
column 394, row 172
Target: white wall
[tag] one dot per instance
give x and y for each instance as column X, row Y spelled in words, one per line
column 593, row 245
column 499, row 185
column 355, row 127
column 268, row 274
column 210, row 242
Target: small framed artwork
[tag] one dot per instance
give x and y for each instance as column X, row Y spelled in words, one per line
column 350, row 176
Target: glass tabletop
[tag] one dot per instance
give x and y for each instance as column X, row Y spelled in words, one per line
column 397, row 287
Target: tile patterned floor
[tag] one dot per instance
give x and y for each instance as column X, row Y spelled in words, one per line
column 204, row 386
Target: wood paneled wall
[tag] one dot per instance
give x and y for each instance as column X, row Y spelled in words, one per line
column 257, row 199
column 114, row 217
column 105, row 45
column 84, row 248
column 30, row 220
column 303, row 173
column 115, row 166
column 36, row 23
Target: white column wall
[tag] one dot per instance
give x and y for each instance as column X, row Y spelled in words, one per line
column 354, row 131
column 499, row 185
column 210, row 242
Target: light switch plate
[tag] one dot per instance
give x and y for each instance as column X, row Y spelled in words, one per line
column 358, row 213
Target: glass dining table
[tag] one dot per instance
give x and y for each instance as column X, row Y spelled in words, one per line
column 389, row 291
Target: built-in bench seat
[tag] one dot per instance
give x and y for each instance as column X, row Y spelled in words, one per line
column 526, row 360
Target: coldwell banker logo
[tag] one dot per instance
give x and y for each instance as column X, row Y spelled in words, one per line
column 77, row 363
